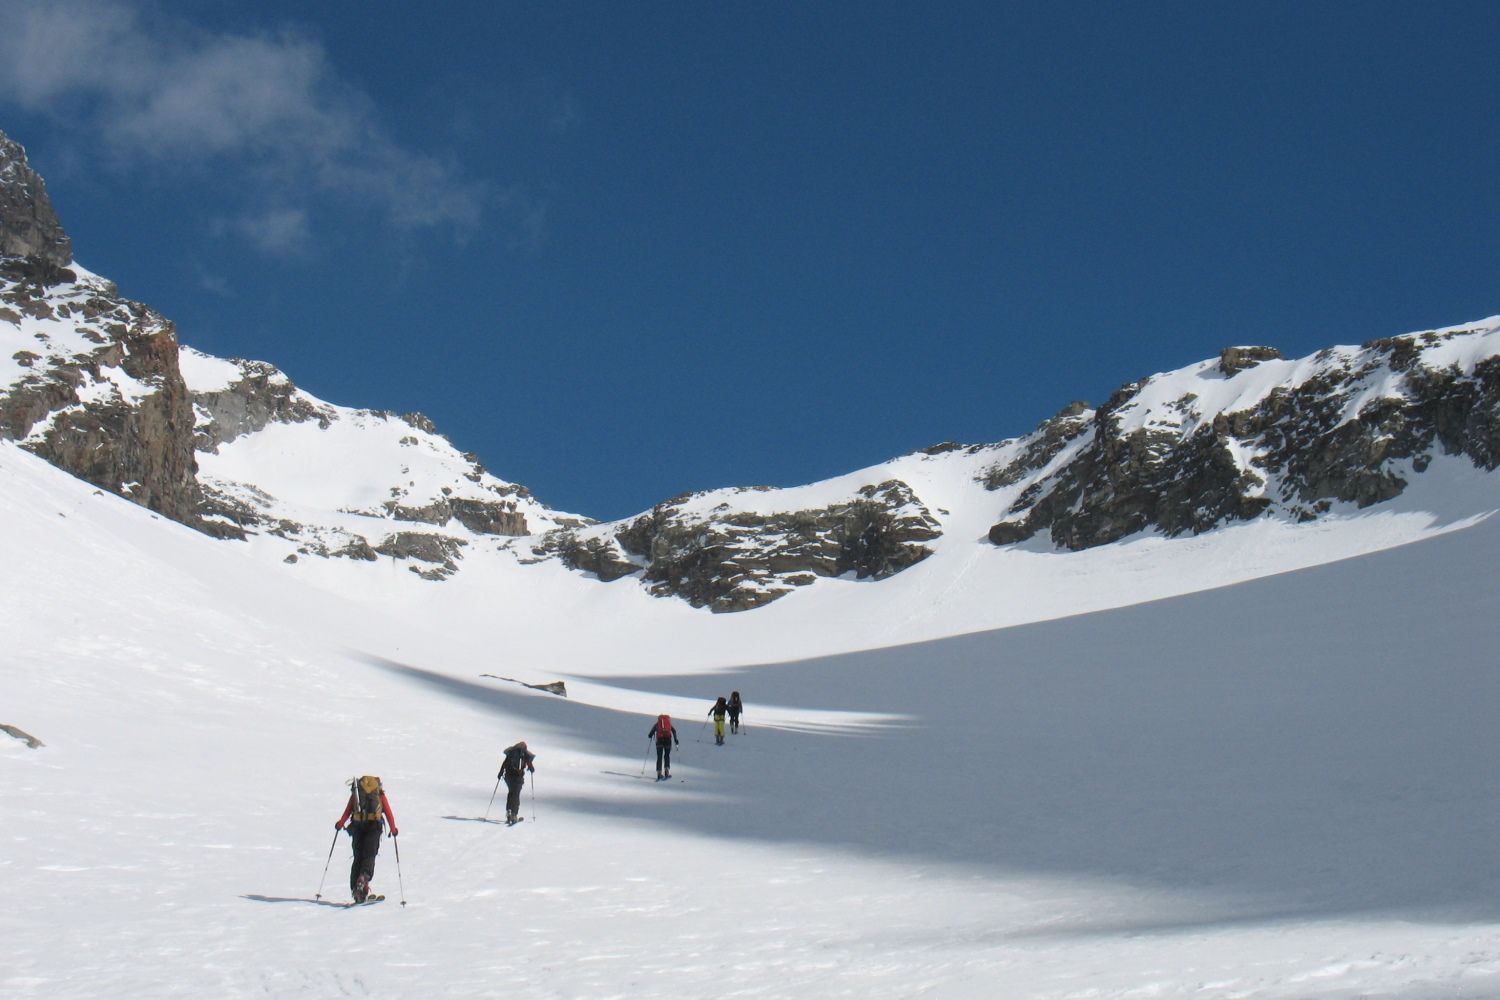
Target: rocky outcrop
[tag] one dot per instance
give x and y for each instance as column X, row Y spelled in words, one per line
column 1349, row 431
column 31, row 741
column 28, row 225
column 483, row 517
column 102, row 396
column 558, row 688
column 1233, row 360
column 94, row 383
column 440, row 552
column 261, row 397
column 1042, row 447
column 728, row 560
column 600, row 556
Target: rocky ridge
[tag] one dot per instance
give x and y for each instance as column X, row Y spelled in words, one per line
column 98, row 385
column 337, row 482
column 713, row 553
column 1252, row 434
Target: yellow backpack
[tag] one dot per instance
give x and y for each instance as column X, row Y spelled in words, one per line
column 367, row 792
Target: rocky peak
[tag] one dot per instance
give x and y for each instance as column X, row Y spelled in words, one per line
column 1233, row 360
column 28, row 226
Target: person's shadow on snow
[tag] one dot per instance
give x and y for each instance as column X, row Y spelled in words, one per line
column 474, row 819
column 257, row 898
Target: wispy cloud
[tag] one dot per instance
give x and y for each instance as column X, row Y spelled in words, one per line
column 215, row 284
column 273, row 231
column 160, row 92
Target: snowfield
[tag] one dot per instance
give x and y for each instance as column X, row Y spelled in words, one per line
column 1256, row 763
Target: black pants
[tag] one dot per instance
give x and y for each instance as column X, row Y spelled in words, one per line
column 364, row 836
column 734, row 721
column 513, row 794
column 663, row 756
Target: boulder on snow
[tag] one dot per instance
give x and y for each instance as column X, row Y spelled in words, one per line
column 22, row 735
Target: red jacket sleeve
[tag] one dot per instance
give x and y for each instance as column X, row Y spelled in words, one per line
column 385, row 804
column 348, row 811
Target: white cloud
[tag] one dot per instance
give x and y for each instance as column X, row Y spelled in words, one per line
column 274, row 231
column 169, row 95
column 216, row 284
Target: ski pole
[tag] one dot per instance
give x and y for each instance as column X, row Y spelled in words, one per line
column 646, row 760
column 396, row 842
column 336, row 832
column 492, row 799
column 533, row 796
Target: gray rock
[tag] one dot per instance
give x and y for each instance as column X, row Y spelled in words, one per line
column 734, row 561
column 140, row 449
column 1233, row 360
column 28, row 225
column 22, row 735
column 1305, row 454
column 262, row 397
column 441, row 551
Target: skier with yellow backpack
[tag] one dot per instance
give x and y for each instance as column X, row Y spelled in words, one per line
column 366, row 814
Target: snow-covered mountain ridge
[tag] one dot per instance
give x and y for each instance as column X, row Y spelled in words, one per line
column 1251, row 433
column 331, row 481
column 99, row 385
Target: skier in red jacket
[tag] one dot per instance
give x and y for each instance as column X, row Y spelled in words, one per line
column 665, row 735
column 367, row 813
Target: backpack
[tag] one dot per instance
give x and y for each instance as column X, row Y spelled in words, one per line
column 515, row 762
column 367, row 792
column 663, row 728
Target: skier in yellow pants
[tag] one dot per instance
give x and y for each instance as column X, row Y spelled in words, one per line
column 720, row 709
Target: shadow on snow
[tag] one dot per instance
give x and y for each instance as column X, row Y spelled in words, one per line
column 1309, row 745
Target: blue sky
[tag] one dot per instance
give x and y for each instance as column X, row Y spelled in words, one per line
column 624, row 251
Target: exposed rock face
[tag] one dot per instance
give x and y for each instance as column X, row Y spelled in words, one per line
column 1043, row 446
column 1350, row 431
column 1234, row 360
column 28, row 226
column 102, row 396
column 439, row 551
column 729, row 560
column 263, row 396
column 600, row 556
column 96, row 384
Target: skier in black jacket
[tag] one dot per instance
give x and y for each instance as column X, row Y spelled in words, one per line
column 518, row 760
column 735, row 708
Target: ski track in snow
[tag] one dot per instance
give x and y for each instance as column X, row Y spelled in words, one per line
column 1279, row 789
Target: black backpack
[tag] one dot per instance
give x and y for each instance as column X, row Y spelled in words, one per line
column 515, row 763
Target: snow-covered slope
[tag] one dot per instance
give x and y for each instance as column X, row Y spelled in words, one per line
column 306, row 477
column 99, row 386
column 1279, row 789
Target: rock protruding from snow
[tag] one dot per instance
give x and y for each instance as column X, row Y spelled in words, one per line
column 28, row 225
column 1222, row 441
column 1233, row 360
column 716, row 552
column 92, row 385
